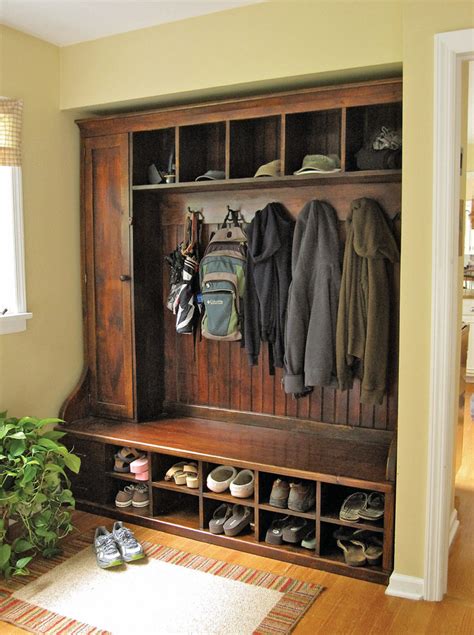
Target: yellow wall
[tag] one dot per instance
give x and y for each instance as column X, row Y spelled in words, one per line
column 270, row 44
column 38, row 366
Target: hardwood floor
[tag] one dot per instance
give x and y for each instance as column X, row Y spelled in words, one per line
column 356, row 607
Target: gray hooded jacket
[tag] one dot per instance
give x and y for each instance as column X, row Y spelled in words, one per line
column 310, row 336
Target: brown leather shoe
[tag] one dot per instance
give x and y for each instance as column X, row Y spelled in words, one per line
column 302, row 496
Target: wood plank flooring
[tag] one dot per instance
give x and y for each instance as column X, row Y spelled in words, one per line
column 353, row 607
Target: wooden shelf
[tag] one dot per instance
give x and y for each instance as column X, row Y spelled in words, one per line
column 294, row 180
column 335, row 520
column 228, row 498
column 182, row 489
column 125, row 476
column 286, row 512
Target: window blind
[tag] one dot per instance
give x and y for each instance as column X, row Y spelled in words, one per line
column 11, row 111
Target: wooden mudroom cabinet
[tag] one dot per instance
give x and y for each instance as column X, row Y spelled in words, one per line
column 147, row 387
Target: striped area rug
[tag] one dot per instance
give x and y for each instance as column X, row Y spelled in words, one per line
column 246, row 600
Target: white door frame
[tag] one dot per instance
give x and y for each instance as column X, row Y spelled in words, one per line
column 450, row 50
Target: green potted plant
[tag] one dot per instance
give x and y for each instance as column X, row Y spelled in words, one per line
column 34, row 491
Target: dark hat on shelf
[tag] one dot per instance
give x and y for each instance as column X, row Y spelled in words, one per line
column 212, row 175
column 320, row 163
column 269, row 169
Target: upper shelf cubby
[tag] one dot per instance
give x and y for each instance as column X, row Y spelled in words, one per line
column 364, row 124
column 311, row 133
column 253, row 143
column 201, row 149
column 153, row 147
column 233, row 139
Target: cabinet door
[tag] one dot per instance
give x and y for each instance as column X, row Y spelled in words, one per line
column 108, row 275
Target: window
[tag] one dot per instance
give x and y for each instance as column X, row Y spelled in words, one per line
column 13, row 314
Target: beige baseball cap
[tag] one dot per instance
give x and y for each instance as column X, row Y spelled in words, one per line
column 269, row 169
column 320, row 163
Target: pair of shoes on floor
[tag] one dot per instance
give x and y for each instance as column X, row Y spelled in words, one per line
column 299, row 496
column 184, row 473
column 230, row 520
column 291, row 529
column 360, row 547
column 362, row 506
column 133, row 495
column 129, row 460
column 114, row 548
column 223, row 477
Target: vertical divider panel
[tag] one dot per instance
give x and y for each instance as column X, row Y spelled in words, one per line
column 177, row 154
column 201, row 499
column 256, row 498
column 150, row 481
column 227, row 149
column 283, row 143
column 343, row 138
column 389, row 508
column 318, row 518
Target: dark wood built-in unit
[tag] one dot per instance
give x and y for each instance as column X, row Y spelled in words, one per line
column 147, row 387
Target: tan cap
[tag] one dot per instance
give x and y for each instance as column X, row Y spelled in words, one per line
column 269, row 169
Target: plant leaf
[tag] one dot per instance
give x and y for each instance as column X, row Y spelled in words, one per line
column 5, row 428
column 48, row 443
column 17, row 447
column 22, row 562
column 18, row 435
column 20, row 545
column 5, row 553
column 46, row 422
column 29, row 474
column 54, row 435
column 73, row 462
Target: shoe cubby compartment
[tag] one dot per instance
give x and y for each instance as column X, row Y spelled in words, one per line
column 226, row 496
column 266, row 482
column 363, row 123
column 333, row 496
column 311, row 133
column 253, row 143
column 210, row 505
column 330, row 550
column 201, row 148
column 152, row 146
column 161, row 463
column 266, row 518
column 176, row 508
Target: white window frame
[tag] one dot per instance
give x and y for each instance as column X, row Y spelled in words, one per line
column 16, row 322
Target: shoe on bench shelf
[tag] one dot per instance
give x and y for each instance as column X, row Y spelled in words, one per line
column 219, row 517
column 240, row 519
column 274, row 535
column 133, row 495
column 279, row 494
column 302, row 496
column 243, row 484
column 220, row 478
column 124, row 457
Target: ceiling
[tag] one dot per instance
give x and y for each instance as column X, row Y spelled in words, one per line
column 64, row 22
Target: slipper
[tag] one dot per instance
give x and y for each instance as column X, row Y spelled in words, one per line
column 219, row 518
column 371, row 544
column 124, row 457
column 241, row 517
column 274, row 535
column 192, row 480
column 352, row 505
column 294, row 531
column 309, row 541
column 177, row 467
column 353, row 553
column 139, row 465
column 374, row 507
column 180, row 477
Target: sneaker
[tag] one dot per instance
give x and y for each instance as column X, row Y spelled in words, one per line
column 107, row 553
column 302, row 496
column 279, row 493
column 128, row 546
column 133, row 495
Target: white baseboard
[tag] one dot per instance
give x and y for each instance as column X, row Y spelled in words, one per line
column 405, row 586
column 453, row 526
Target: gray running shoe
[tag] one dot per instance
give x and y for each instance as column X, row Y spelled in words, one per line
column 127, row 544
column 106, row 551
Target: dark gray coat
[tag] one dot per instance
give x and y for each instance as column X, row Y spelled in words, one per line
column 310, row 336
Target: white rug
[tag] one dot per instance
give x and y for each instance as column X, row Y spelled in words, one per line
column 170, row 592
